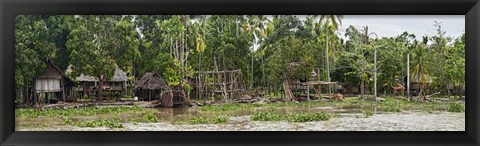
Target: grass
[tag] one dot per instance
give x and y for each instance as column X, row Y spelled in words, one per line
column 229, row 107
column 85, row 111
column 267, row 116
column 147, row 118
column 67, row 114
column 197, row 120
column 295, row 117
column 389, row 105
column 220, row 112
column 456, row 107
column 112, row 123
column 368, row 113
column 219, row 119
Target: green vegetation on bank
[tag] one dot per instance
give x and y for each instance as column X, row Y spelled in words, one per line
column 84, row 111
column 456, row 107
column 295, row 117
column 390, row 104
column 218, row 119
column 111, row 123
column 218, row 114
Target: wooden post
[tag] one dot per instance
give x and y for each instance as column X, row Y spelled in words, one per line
column 308, row 91
column 34, row 90
column 319, row 85
column 62, row 86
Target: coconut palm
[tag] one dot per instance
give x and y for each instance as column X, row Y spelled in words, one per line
column 366, row 41
column 334, row 21
column 421, row 67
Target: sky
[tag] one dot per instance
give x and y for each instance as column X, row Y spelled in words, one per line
column 394, row 25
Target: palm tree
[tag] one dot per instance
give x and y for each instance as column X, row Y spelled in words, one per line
column 421, row 67
column 258, row 27
column 366, row 34
column 366, row 41
column 334, row 21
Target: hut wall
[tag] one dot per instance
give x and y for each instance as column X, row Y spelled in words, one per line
column 116, row 86
column 48, row 85
column 49, row 81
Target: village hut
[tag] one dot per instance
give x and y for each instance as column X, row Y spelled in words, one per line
column 117, row 84
column 86, row 85
column 150, row 85
column 53, row 83
column 416, row 85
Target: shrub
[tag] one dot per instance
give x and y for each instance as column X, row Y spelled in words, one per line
column 197, row 120
column 219, row 119
column 266, row 116
column 368, row 113
column 148, row 118
column 306, row 117
column 455, row 107
column 112, row 123
column 295, row 117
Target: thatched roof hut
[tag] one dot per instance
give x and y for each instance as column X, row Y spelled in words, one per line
column 151, row 81
column 51, row 79
column 118, row 76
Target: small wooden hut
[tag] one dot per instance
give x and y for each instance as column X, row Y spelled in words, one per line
column 150, row 85
column 53, row 83
column 118, row 82
column 88, row 84
column 416, row 85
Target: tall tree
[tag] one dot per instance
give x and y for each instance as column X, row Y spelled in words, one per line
column 334, row 21
column 92, row 45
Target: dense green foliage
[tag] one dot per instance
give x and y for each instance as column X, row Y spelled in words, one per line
column 263, row 47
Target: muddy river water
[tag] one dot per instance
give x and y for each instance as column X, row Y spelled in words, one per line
column 346, row 119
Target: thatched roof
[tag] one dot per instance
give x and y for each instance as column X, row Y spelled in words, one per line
column 118, row 76
column 151, row 81
column 52, row 71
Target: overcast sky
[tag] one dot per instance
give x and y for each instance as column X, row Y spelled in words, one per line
column 393, row 25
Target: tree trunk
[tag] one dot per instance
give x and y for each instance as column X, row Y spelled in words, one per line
column 375, row 74
column 288, row 93
column 448, row 90
column 263, row 75
column 362, row 86
column 34, row 90
column 100, row 88
column 251, row 78
column 328, row 66
column 408, row 76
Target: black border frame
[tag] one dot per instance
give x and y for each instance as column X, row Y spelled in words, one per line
column 10, row 8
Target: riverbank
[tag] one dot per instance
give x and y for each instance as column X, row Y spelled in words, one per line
column 350, row 115
column 402, row 121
